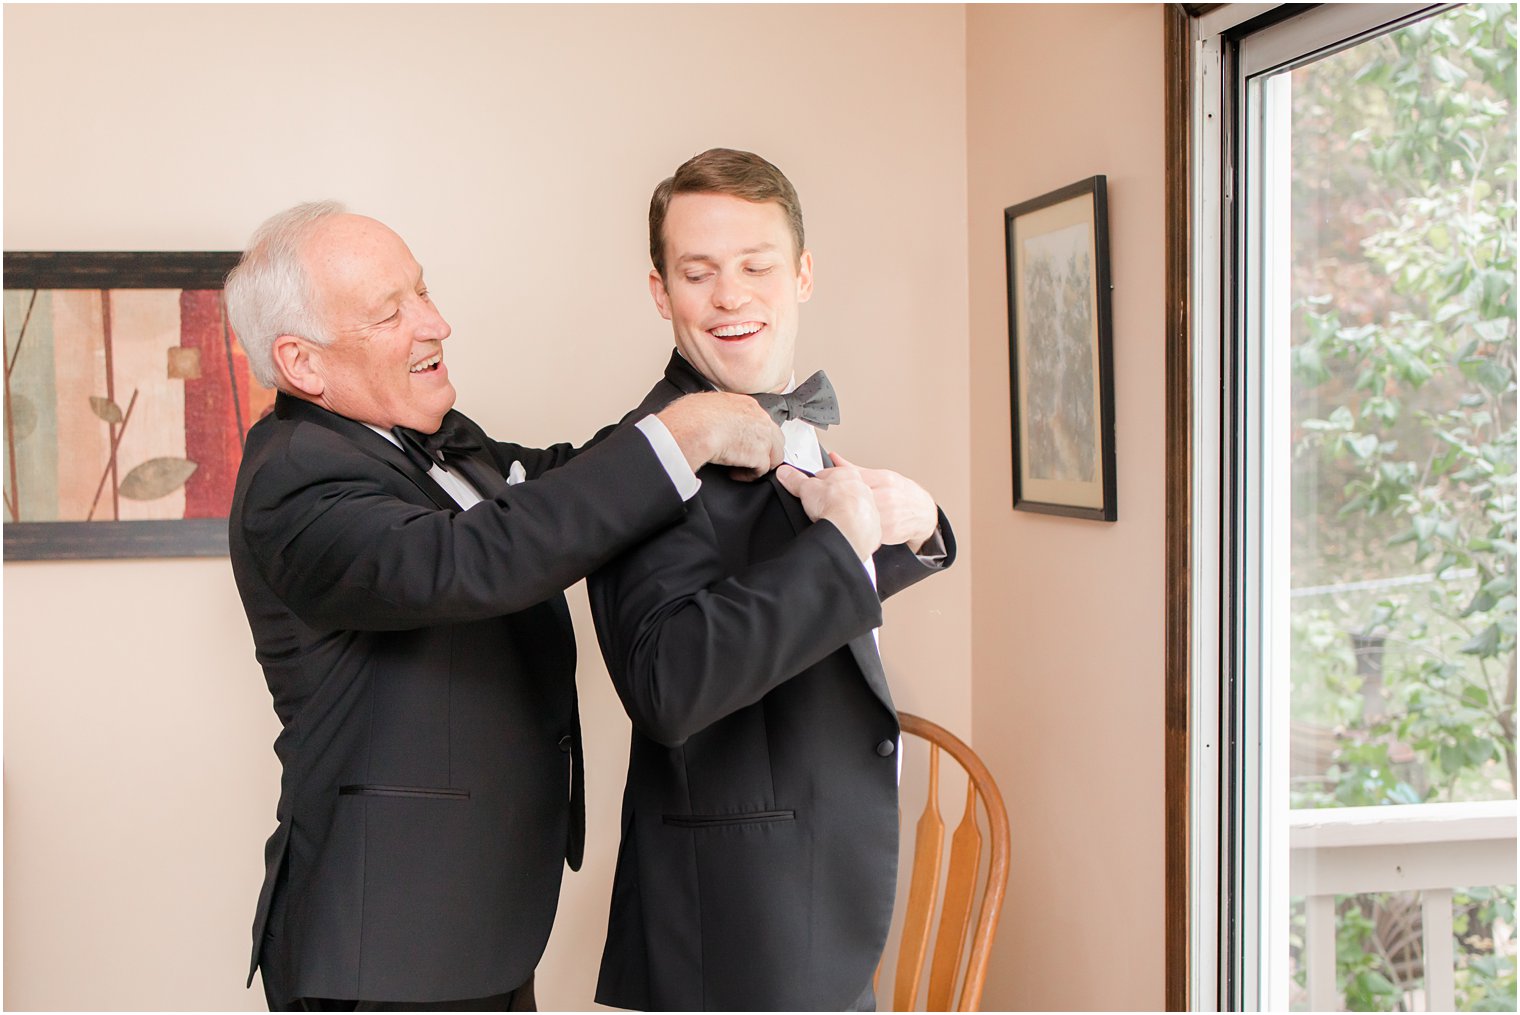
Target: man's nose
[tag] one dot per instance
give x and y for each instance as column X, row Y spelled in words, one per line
column 432, row 327
column 730, row 293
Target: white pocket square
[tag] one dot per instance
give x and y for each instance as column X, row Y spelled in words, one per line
column 516, row 474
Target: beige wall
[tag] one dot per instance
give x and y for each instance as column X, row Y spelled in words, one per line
column 1066, row 614
column 515, row 148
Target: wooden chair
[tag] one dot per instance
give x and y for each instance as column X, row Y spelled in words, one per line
column 951, row 947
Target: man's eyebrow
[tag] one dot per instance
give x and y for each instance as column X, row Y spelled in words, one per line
column 386, row 299
column 763, row 248
column 398, row 293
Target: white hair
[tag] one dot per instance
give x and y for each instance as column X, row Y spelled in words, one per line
column 269, row 293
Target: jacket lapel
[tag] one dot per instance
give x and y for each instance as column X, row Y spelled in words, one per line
column 482, row 473
column 791, row 506
column 864, row 649
column 868, row 658
column 684, row 377
column 425, row 483
column 367, row 440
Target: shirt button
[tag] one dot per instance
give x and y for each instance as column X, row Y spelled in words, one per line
column 885, row 748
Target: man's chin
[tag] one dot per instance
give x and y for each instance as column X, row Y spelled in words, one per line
column 743, row 383
column 427, row 423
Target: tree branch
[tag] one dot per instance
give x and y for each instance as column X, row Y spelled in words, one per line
column 111, row 461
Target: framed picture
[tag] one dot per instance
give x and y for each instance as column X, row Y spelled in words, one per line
column 127, row 399
column 1060, row 352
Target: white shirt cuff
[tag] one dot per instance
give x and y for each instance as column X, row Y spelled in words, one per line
column 671, row 456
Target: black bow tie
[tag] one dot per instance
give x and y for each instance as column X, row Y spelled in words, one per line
column 426, row 450
column 813, row 400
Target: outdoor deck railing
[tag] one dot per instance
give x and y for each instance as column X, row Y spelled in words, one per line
column 1428, row 848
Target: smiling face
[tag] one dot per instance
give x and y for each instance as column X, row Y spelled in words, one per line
column 732, row 288
column 384, row 365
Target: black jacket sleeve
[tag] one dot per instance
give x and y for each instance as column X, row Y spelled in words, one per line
column 345, row 548
column 898, row 567
column 687, row 644
column 537, row 461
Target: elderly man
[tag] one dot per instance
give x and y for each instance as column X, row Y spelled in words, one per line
column 759, row 853
column 402, row 575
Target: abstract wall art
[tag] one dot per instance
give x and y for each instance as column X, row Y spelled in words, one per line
column 127, row 400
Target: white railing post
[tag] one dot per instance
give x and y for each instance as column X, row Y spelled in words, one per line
column 1426, row 848
column 1319, row 953
column 1440, row 960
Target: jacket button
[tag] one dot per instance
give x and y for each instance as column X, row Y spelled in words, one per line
column 885, row 748
column 564, row 743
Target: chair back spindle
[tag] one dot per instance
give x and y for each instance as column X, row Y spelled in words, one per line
column 955, row 916
column 923, row 892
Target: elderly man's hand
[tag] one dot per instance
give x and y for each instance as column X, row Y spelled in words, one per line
column 718, row 428
column 908, row 513
column 839, row 496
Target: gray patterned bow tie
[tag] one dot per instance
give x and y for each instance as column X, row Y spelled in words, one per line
column 813, row 400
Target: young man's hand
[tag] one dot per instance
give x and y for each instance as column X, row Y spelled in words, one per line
column 908, row 513
column 838, row 496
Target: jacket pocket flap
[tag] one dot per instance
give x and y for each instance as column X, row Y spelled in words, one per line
column 740, row 818
column 429, row 792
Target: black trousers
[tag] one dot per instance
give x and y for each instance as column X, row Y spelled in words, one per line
column 521, row 999
column 277, row 994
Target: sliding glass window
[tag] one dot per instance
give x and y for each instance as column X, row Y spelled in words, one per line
column 1368, row 863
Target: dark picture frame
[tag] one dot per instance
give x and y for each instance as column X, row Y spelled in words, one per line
column 84, row 328
column 1060, row 352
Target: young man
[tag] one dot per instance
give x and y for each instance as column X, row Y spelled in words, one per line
column 759, row 854
column 402, row 575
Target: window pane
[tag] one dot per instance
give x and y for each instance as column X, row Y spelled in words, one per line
column 1404, row 416
column 1402, row 606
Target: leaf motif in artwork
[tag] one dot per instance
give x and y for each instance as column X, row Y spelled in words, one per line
column 23, row 416
column 155, row 478
column 105, row 409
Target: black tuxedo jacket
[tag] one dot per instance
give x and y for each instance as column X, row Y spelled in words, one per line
column 759, row 832
column 421, row 662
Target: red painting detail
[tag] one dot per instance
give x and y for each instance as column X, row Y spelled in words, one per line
column 212, row 439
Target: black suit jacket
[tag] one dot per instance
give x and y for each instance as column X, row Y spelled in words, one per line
column 759, row 854
column 421, row 662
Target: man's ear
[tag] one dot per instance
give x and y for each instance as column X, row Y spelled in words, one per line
column 805, row 276
column 657, row 290
column 299, row 366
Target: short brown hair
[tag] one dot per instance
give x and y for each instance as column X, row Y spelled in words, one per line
column 723, row 171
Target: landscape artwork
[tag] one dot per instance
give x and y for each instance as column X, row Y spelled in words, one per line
column 1060, row 352
column 1057, row 281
